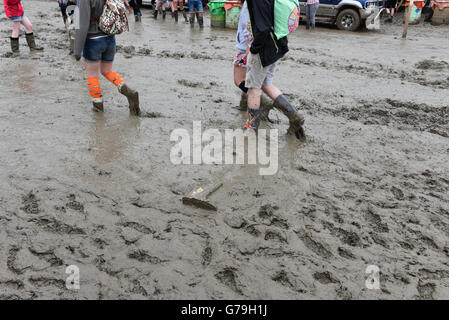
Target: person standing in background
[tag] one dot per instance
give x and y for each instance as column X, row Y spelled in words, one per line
column 181, row 8
column 311, row 9
column 390, row 6
column 15, row 13
column 136, row 4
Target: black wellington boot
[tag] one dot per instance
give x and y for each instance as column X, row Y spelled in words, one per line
column 192, row 22
column 184, row 14
column 164, row 13
column 97, row 105
column 32, row 43
column 155, row 14
column 199, row 19
column 296, row 120
column 176, row 16
column 15, row 46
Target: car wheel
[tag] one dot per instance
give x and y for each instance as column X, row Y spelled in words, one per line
column 348, row 19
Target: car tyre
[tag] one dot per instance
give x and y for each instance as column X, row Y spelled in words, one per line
column 348, row 19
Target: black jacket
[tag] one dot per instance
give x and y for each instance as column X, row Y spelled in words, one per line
column 265, row 43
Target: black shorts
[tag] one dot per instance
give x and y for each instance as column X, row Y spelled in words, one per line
column 391, row 4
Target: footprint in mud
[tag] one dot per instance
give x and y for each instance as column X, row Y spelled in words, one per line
column 47, row 282
column 268, row 216
column 53, row 225
column 348, row 237
column 282, row 278
column 229, row 278
column 397, row 193
column 206, row 256
column 428, row 64
column 325, row 277
column 276, row 236
column 151, row 115
column 142, row 256
column 375, row 221
column 197, row 85
column 345, row 253
column 314, row 245
column 425, row 290
column 30, row 203
column 73, row 204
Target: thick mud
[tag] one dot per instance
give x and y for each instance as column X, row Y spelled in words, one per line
column 369, row 187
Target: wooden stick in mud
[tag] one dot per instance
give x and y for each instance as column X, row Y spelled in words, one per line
column 404, row 33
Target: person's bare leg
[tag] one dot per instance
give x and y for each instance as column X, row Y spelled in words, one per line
column 105, row 68
column 92, row 69
column 272, row 91
column 93, row 85
column 27, row 24
column 239, row 75
column 15, row 29
column 239, row 81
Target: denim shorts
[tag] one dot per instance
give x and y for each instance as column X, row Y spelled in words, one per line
column 19, row 18
column 195, row 4
column 99, row 49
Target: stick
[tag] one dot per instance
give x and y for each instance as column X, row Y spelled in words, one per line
column 404, row 33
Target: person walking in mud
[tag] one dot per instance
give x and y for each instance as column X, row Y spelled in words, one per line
column 15, row 13
column 265, row 51
column 196, row 9
column 98, row 50
column 136, row 5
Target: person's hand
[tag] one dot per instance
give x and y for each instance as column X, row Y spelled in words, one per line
column 78, row 58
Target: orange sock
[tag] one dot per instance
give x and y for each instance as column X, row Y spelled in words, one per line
column 94, row 88
column 114, row 77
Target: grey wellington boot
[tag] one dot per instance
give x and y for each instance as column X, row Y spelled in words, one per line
column 296, row 120
column 32, row 43
column 133, row 98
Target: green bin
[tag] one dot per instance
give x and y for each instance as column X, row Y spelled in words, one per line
column 217, row 14
column 232, row 18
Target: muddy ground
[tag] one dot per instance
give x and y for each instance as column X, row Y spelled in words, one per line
column 369, row 187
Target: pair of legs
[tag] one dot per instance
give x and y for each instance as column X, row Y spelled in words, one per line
column 16, row 22
column 311, row 10
column 260, row 78
column 390, row 8
column 98, row 56
column 196, row 8
column 16, row 27
column 175, row 4
column 136, row 4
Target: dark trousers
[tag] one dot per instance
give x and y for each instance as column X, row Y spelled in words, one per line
column 136, row 4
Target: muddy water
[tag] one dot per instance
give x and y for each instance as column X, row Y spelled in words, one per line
column 369, row 187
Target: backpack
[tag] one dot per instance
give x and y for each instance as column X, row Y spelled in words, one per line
column 286, row 17
column 113, row 20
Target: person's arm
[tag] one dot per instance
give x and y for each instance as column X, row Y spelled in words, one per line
column 81, row 32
